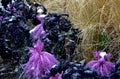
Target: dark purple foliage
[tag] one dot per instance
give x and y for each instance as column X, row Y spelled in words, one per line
column 61, row 37
column 14, row 31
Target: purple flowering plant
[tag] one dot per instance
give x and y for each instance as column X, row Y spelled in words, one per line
column 101, row 65
column 40, row 61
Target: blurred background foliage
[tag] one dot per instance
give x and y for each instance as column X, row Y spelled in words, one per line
column 99, row 21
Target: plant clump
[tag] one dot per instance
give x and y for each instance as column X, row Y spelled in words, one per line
column 61, row 37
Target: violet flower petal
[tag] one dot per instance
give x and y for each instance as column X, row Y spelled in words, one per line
column 97, row 54
column 39, row 46
column 107, row 56
column 91, row 63
column 40, row 17
column 37, row 32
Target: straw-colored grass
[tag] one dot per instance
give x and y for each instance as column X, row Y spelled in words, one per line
column 99, row 21
column 96, row 17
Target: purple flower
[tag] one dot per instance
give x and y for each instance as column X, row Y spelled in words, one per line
column 38, row 31
column 101, row 66
column 40, row 62
column 40, row 17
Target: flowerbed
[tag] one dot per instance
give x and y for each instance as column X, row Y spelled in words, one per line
column 46, row 51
